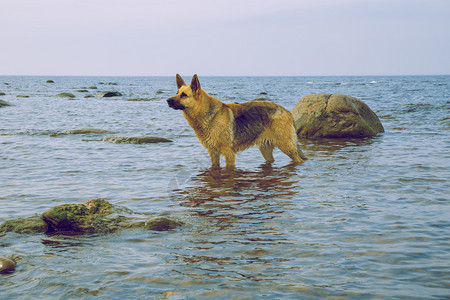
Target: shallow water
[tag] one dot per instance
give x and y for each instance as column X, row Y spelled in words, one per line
column 360, row 218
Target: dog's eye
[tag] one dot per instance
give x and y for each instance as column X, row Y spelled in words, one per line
column 183, row 95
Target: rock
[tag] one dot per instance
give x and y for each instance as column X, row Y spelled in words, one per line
column 4, row 103
column 2, row 94
column 158, row 92
column 65, row 95
column 108, row 94
column 24, row 226
column 334, row 116
column 144, row 99
column 82, row 131
column 6, row 265
column 82, row 91
column 92, row 87
column 22, row 96
column 161, row 224
column 96, row 215
column 115, row 139
column 50, row 81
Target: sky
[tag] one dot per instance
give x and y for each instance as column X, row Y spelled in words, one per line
column 224, row 37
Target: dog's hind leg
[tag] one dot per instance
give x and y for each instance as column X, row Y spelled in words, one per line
column 266, row 151
column 300, row 153
column 291, row 151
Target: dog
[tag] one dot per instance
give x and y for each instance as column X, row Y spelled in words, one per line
column 226, row 129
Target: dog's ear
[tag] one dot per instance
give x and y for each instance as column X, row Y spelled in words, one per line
column 195, row 84
column 180, row 81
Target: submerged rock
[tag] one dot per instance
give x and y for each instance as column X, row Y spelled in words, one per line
column 82, row 91
column 22, row 96
column 115, row 139
column 4, row 103
column 108, row 94
column 2, row 94
column 50, row 81
column 65, row 95
column 24, row 226
column 6, row 265
column 144, row 99
column 82, row 131
column 334, row 116
column 161, row 224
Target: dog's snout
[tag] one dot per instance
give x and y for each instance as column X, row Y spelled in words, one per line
column 175, row 103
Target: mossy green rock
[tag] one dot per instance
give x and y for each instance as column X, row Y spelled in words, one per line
column 6, row 265
column 115, row 139
column 24, row 226
column 2, row 94
column 4, row 103
column 334, row 116
column 65, row 95
column 161, row 224
column 50, row 81
column 108, row 94
column 81, row 131
column 89, row 217
column 94, row 216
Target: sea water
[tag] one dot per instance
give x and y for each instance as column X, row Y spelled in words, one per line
column 360, row 218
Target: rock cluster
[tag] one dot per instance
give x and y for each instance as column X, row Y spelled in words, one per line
column 94, row 216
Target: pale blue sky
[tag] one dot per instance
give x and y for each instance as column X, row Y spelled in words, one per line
column 224, row 37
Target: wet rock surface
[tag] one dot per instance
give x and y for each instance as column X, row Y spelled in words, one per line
column 116, row 139
column 334, row 116
column 82, row 131
column 24, row 225
column 94, row 216
column 108, row 94
column 6, row 265
column 4, row 103
column 65, row 95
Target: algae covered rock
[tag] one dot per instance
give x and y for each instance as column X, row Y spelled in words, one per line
column 6, row 265
column 89, row 217
column 334, row 116
column 108, row 94
column 161, row 224
column 65, row 95
column 2, row 94
column 94, row 216
column 115, row 139
column 50, row 81
column 4, row 103
column 24, row 226
column 81, row 131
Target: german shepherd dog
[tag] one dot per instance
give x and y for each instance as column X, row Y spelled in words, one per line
column 226, row 129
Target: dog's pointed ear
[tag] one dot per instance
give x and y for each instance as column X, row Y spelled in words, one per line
column 195, row 84
column 180, row 81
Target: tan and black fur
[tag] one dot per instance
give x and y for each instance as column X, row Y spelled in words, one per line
column 226, row 129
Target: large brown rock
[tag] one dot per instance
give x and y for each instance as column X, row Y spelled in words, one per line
column 334, row 116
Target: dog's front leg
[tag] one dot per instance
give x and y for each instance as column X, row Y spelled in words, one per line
column 230, row 158
column 215, row 158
